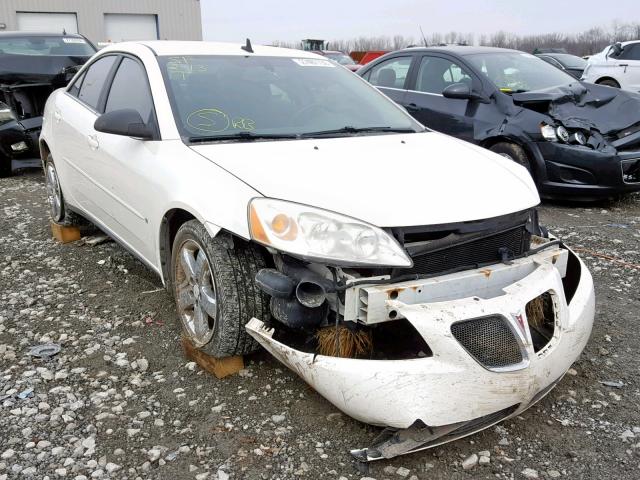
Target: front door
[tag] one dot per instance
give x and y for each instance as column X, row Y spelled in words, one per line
column 425, row 101
column 124, row 166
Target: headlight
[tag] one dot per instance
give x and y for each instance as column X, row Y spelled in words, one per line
column 548, row 132
column 5, row 113
column 315, row 234
column 562, row 133
column 579, row 138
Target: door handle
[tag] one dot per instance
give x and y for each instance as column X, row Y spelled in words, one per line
column 56, row 116
column 412, row 107
column 92, row 140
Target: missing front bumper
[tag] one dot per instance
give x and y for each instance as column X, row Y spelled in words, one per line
column 452, row 388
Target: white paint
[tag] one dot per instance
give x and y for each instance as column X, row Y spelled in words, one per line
column 450, row 386
column 442, row 180
column 47, row 22
column 623, row 70
column 124, row 27
column 437, row 179
column 370, row 305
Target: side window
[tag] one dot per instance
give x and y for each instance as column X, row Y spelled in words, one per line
column 75, row 88
column 436, row 74
column 631, row 52
column 130, row 89
column 94, row 81
column 391, row 73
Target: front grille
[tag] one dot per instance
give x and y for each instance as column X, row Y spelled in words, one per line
column 478, row 251
column 489, row 340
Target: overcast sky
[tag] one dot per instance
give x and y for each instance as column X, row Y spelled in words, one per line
column 292, row 20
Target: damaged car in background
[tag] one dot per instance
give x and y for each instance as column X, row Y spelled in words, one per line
column 32, row 65
column 287, row 203
column 579, row 141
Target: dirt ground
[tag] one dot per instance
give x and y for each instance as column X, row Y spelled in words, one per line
column 121, row 401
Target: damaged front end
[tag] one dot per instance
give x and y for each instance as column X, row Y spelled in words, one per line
column 483, row 323
column 26, row 81
column 589, row 142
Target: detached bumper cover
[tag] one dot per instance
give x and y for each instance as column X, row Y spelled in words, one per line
column 451, row 386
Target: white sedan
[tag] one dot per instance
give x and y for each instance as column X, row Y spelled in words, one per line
column 286, row 202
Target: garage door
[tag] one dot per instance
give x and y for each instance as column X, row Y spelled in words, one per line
column 47, row 22
column 123, row 27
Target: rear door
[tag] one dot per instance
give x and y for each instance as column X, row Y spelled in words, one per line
column 629, row 62
column 391, row 76
column 424, row 99
column 74, row 115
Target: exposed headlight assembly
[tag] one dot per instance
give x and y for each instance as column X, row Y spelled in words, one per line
column 555, row 134
column 5, row 113
column 562, row 133
column 316, row 234
column 548, row 132
column 579, row 138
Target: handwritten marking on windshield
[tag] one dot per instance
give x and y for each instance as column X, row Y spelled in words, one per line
column 243, row 124
column 209, row 120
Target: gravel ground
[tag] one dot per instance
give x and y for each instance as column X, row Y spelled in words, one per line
column 120, row 400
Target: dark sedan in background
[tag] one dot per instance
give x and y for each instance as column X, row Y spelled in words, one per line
column 32, row 65
column 566, row 62
column 579, row 141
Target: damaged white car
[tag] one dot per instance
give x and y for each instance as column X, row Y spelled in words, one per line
column 285, row 202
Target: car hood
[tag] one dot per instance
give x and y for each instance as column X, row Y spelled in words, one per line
column 29, row 69
column 586, row 106
column 387, row 180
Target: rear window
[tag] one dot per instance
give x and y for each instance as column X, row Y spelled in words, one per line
column 55, row 45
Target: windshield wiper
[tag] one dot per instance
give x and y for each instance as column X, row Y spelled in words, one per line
column 349, row 129
column 241, row 136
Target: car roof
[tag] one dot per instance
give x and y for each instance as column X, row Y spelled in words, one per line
column 461, row 50
column 21, row 33
column 556, row 54
column 177, row 47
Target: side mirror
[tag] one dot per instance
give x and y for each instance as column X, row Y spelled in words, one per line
column 462, row 91
column 126, row 122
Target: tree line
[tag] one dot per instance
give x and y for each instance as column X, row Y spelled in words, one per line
column 588, row 42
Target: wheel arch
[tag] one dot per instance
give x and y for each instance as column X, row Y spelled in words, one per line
column 536, row 164
column 602, row 79
column 45, row 151
column 171, row 222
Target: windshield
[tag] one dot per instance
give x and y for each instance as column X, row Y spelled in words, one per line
column 218, row 96
column 519, row 72
column 341, row 58
column 42, row 45
column 570, row 61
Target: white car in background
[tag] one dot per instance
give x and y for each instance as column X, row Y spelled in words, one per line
column 617, row 66
column 281, row 198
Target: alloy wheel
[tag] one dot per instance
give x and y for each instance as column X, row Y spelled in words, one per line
column 54, row 193
column 195, row 290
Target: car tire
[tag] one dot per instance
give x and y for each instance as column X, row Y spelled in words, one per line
column 5, row 167
column 213, row 282
column 609, row 82
column 513, row 152
column 58, row 210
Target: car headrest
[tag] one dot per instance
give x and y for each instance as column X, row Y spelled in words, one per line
column 387, row 77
